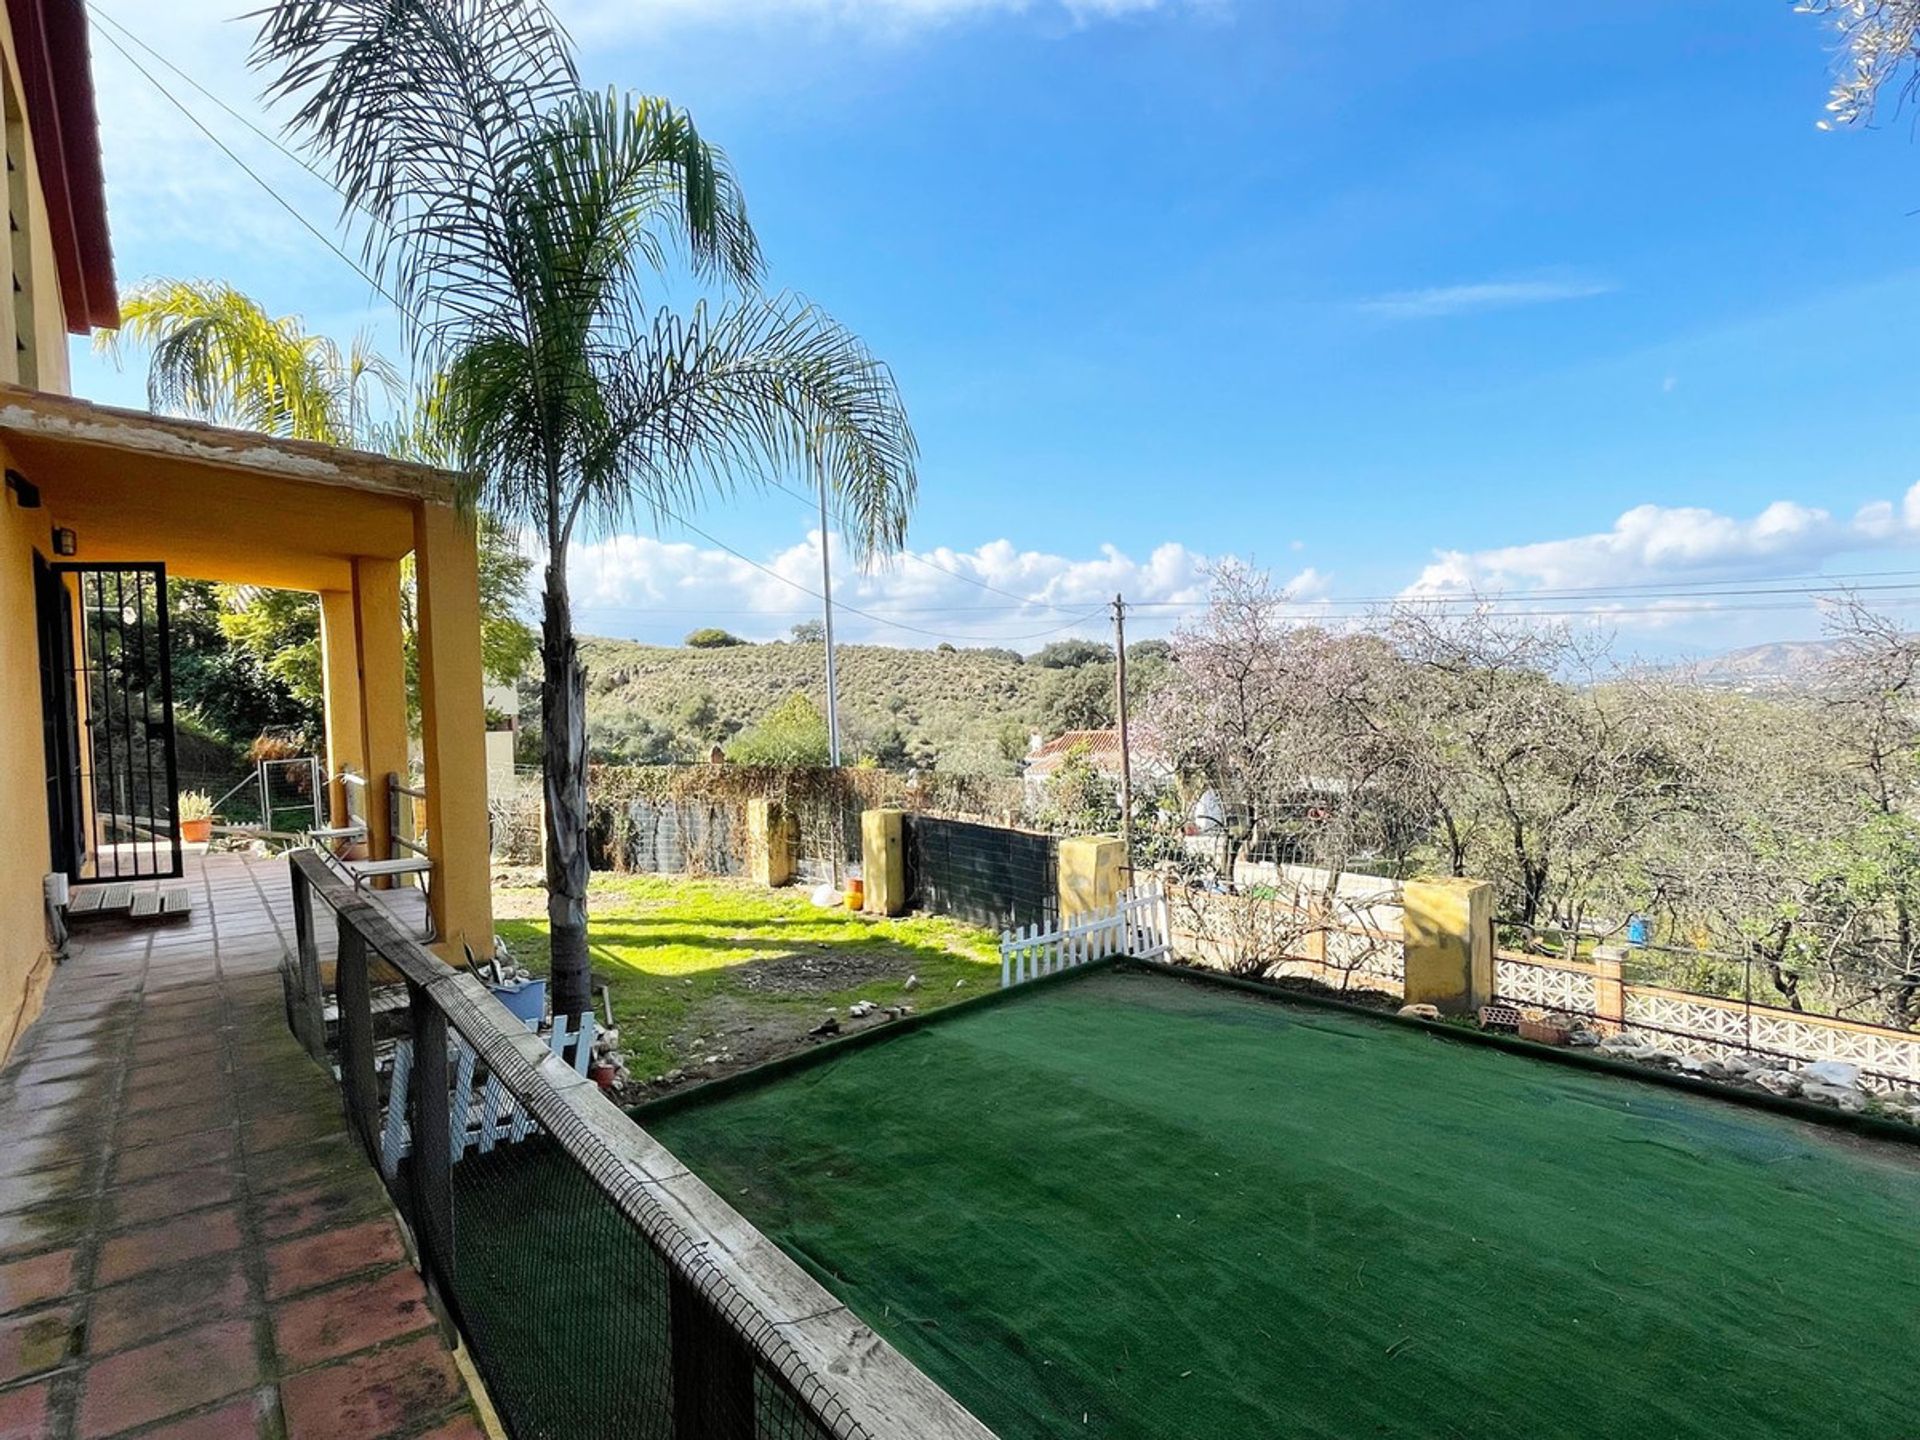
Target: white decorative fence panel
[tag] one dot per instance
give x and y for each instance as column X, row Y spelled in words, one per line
column 480, row 1115
column 1135, row 926
column 1548, row 986
column 1889, row 1059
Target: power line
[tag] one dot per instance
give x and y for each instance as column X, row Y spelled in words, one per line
column 253, row 174
column 865, row 614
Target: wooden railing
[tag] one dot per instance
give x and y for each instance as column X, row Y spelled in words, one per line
column 748, row 1334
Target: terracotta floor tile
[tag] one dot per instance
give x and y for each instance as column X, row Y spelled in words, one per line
column 23, row 1413
column 174, row 1242
column 331, row 1255
column 60, row 1224
column 213, row 1147
column 35, row 1280
column 168, row 1195
column 373, row 1395
column 155, row 1381
column 37, row 1187
column 237, row 1421
column 350, row 1317
column 312, row 1207
column 43, row 1340
column 134, row 1313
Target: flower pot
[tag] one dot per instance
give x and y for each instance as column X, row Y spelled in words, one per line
column 856, row 893
column 602, row 1074
column 196, row 832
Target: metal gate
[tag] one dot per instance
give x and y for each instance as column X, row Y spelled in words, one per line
column 122, row 691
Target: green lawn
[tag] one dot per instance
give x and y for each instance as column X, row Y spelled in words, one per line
column 721, row 968
column 1135, row 1206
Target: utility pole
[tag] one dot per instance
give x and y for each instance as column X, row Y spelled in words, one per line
column 826, row 595
column 1126, row 752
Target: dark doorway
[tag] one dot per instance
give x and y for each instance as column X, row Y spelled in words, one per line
column 108, row 701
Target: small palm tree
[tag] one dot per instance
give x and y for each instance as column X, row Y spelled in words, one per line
column 217, row 354
column 519, row 220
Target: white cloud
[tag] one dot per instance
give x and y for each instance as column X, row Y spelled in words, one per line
column 1654, row 543
column 1441, row 301
column 657, row 590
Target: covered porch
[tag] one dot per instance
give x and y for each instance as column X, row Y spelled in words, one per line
column 190, row 1244
column 110, row 488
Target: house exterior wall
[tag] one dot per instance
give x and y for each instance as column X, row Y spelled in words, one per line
column 48, row 340
column 25, row 856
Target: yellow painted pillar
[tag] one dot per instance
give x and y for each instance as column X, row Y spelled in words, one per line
column 1092, row 872
column 771, row 843
column 1609, row 987
column 883, row 861
column 383, row 690
column 340, row 669
column 453, row 729
column 1447, row 931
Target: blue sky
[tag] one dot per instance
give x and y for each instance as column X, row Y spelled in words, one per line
column 1383, row 297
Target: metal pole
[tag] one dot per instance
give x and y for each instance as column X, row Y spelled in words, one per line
column 826, row 595
column 1120, row 710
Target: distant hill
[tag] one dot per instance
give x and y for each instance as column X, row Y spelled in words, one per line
column 963, row 709
column 1758, row 669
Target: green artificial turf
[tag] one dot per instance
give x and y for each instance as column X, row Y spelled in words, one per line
column 1139, row 1206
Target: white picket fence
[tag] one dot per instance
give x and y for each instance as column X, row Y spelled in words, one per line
column 480, row 1116
column 1135, row 926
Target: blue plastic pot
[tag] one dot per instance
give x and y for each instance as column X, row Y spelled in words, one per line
column 527, row 999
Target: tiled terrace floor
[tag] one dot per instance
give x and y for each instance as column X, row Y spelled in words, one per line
column 189, row 1243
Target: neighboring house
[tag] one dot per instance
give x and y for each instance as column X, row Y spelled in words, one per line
column 1101, row 748
column 103, row 506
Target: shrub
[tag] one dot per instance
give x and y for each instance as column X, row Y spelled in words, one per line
column 793, row 732
column 711, row 637
column 1067, row 654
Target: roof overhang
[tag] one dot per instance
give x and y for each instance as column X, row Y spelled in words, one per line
column 212, row 503
column 56, row 80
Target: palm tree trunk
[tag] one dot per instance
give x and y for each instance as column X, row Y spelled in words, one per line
column 563, row 747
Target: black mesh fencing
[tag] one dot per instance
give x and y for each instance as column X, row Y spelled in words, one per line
column 985, row 874
column 592, row 1292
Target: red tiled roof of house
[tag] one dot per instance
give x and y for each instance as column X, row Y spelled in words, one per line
column 1102, row 747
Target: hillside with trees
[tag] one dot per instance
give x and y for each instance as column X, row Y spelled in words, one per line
column 961, row 710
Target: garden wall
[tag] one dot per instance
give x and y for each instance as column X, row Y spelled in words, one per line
column 986, row 874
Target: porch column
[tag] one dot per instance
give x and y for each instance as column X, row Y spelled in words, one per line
column 383, row 690
column 340, row 667
column 453, row 728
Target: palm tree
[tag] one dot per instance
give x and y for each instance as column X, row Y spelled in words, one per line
column 217, row 354
column 518, row 220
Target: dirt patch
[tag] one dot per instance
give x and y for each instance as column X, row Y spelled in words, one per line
column 732, row 1034
column 821, row 970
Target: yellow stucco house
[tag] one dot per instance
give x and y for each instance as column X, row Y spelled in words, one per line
column 102, row 506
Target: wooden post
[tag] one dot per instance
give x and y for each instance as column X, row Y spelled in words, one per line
column 358, row 1085
column 712, row 1369
column 430, row 1164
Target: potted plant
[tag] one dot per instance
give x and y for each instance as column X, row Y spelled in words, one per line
column 196, row 817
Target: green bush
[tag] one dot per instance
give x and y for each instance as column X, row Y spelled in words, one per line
column 711, row 637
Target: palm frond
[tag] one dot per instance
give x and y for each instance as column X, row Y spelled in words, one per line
column 215, row 354
column 705, row 403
